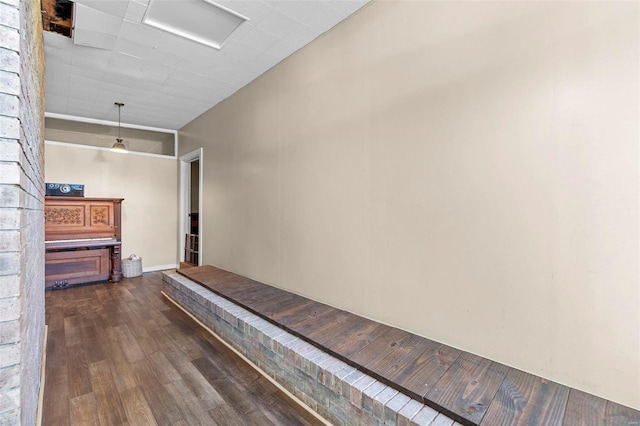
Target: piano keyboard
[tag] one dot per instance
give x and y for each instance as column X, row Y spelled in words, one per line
column 80, row 240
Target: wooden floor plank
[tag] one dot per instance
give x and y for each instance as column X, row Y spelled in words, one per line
column 524, row 399
column 234, row 394
column 619, row 415
column 119, row 361
column 192, row 411
column 380, row 347
column 132, row 350
column 418, row 372
column 360, row 336
column 584, row 409
column 163, row 369
column 137, row 408
column 78, row 371
column 84, row 410
column 408, row 350
column 345, row 322
column 55, row 406
column 124, row 375
column 160, row 401
column 468, row 386
column 108, row 405
column 318, row 315
column 191, row 377
column 72, row 330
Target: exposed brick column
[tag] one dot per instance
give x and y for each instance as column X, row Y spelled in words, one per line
column 21, row 202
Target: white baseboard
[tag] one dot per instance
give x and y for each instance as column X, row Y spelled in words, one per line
column 42, row 376
column 160, row 267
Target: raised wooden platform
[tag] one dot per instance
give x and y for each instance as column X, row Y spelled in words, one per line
column 468, row 388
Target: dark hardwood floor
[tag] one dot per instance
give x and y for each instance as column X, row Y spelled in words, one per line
column 121, row 354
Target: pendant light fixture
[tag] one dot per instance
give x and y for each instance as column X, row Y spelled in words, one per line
column 119, row 146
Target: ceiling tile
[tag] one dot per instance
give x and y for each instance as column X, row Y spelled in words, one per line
column 119, row 78
column 165, row 80
column 56, row 103
column 139, row 33
column 345, row 7
column 283, row 48
column 186, row 48
column 91, row 63
column 277, row 24
column 83, row 71
column 94, row 39
column 301, row 11
column 132, row 48
column 56, row 40
column 259, row 39
column 125, row 64
column 135, row 11
column 89, row 52
column 115, row 8
column 156, row 73
column 253, row 9
column 165, row 58
column 59, row 55
column 88, row 18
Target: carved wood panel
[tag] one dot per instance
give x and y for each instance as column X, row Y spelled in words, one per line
column 64, row 216
column 100, row 216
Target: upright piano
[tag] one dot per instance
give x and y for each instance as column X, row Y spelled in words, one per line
column 82, row 240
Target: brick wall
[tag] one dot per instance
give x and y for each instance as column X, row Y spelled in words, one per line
column 21, row 201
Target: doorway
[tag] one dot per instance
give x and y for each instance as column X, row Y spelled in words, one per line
column 191, row 209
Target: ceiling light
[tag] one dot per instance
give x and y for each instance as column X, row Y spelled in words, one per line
column 202, row 21
column 119, row 146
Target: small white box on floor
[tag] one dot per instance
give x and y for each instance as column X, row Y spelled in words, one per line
column 132, row 266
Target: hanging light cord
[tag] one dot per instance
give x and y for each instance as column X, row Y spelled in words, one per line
column 120, row 105
column 119, row 108
column 119, row 146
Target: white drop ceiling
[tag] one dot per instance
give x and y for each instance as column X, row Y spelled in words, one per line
column 165, row 80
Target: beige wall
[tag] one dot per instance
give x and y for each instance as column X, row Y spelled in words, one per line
column 464, row 170
column 148, row 185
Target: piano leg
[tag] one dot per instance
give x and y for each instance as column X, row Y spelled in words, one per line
column 116, row 264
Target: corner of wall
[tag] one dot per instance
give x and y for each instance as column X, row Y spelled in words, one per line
column 21, row 220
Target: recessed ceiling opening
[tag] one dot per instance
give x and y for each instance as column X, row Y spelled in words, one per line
column 202, row 21
column 57, row 16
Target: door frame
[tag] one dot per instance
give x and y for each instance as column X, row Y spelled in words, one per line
column 185, row 199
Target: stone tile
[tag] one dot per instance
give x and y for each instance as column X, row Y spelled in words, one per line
column 10, row 85
column 9, row 38
column 393, row 407
column 9, row 400
column 9, row 355
column 9, row 61
column 9, row 16
column 9, row 332
column 10, row 377
column 348, row 382
column 369, row 394
column 426, row 417
column 408, row 412
column 381, row 400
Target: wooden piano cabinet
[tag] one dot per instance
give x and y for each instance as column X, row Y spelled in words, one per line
column 82, row 240
column 69, row 218
column 64, row 268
